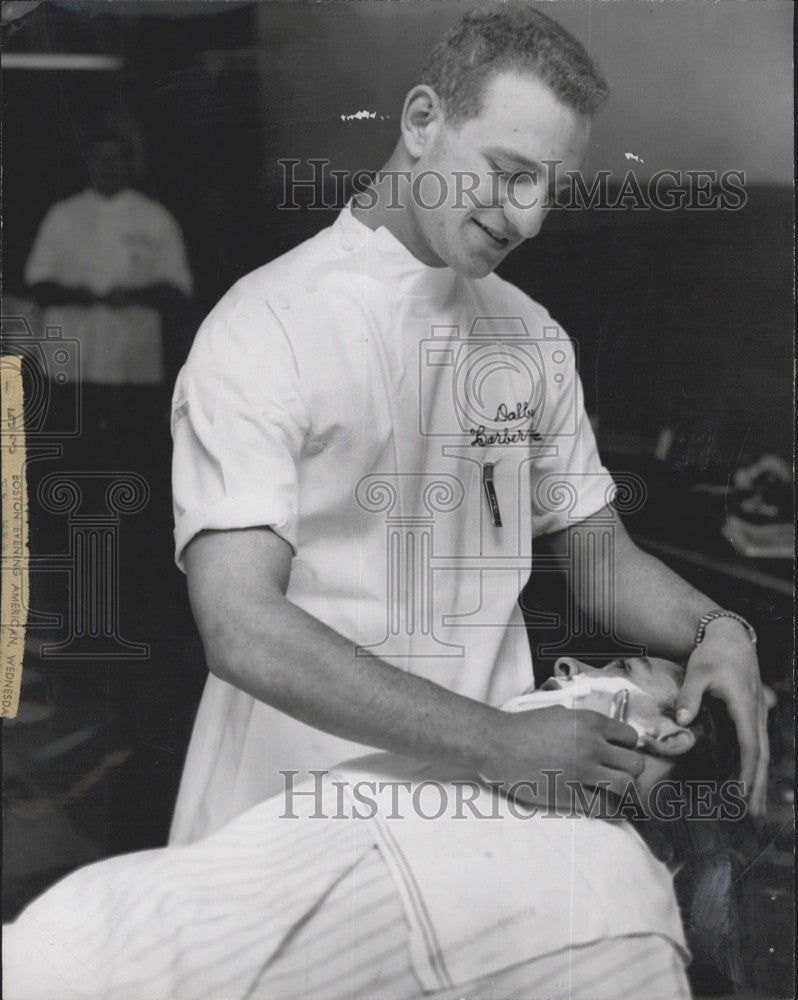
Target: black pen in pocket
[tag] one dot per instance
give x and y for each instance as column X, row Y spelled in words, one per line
column 490, row 493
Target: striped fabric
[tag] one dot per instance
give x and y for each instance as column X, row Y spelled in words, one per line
column 198, row 922
column 484, row 890
column 354, row 946
column 272, row 908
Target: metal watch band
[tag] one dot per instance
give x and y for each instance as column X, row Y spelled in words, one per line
column 710, row 616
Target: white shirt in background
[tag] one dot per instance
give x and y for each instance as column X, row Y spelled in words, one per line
column 100, row 243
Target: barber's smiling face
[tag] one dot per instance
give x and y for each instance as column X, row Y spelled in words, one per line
column 498, row 157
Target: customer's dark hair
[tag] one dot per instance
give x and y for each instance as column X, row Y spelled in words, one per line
column 506, row 37
column 716, row 753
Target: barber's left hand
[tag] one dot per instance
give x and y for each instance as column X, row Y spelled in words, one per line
column 725, row 665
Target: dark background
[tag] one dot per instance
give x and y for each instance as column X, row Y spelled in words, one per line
column 683, row 320
column 225, row 91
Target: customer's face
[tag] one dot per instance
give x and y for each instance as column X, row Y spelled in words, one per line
column 496, row 180
column 653, row 686
column 661, row 679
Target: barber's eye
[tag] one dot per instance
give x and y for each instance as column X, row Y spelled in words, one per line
column 506, row 174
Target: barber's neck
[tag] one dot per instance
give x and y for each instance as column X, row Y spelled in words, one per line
column 388, row 202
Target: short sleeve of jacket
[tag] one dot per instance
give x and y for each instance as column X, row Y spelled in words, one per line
column 238, row 424
column 569, row 483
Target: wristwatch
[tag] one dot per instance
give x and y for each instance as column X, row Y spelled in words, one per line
column 710, row 616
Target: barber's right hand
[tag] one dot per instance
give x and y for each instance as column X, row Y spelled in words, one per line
column 570, row 746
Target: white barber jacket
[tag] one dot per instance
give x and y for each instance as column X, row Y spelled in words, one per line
column 350, row 398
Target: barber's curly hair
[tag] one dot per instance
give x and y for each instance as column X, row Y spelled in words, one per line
column 510, row 37
column 716, row 753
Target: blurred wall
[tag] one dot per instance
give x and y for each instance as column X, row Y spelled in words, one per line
column 696, row 84
column 683, row 319
column 679, row 316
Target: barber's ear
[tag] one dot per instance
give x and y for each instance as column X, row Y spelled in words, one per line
column 671, row 740
column 422, row 115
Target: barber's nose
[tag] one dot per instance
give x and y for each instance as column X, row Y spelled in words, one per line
column 566, row 666
column 525, row 209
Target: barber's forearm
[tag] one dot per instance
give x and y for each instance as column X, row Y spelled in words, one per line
column 653, row 604
column 648, row 602
column 663, row 610
column 285, row 657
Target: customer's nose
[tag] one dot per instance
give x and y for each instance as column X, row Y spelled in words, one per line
column 566, row 666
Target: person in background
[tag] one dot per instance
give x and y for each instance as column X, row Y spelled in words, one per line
column 109, row 268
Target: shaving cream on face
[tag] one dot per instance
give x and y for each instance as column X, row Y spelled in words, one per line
column 589, row 691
